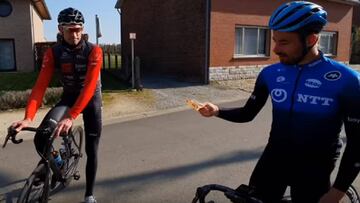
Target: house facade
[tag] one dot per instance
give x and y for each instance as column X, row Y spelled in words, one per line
column 21, row 25
column 356, row 16
column 355, row 51
column 205, row 40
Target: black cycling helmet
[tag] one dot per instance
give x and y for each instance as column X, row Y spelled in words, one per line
column 298, row 16
column 70, row 16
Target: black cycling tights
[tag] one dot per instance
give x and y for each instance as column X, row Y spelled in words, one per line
column 92, row 124
column 277, row 168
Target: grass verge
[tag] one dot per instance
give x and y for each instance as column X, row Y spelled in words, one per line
column 15, row 89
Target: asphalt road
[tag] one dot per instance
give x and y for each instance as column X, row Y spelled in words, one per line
column 157, row 159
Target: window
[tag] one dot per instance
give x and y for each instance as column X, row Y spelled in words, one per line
column 328, row 43
column 5, row 8
column 251, row 42
column 7, row 55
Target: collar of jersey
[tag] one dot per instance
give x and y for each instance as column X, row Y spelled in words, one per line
column 315, row 62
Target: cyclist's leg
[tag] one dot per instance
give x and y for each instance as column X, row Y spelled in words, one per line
column 49, row 121
column 269, row 175
column 311, row 180
column 40, row 140
column 93, row 126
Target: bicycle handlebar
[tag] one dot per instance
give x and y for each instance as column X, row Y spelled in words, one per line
column 12, row 135
column 240, row 195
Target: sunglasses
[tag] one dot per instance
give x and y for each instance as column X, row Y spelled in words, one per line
column 73, row 29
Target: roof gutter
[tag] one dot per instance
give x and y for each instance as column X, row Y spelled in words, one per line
column 349, row 2
column 119, row 3
column 42, row 9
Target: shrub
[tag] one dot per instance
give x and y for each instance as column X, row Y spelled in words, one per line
column 18, row 99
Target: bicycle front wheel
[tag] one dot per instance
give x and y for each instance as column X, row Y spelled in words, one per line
column 36, row 188
column 75, row 148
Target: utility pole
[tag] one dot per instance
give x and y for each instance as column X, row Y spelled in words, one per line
column 132, row 38
column 98, row 31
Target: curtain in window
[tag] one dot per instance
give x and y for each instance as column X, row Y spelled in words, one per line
column 7, row 58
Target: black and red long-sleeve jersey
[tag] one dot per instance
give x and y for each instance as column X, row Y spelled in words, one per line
column 79, row 69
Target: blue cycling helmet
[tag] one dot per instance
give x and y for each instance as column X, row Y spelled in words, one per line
column 298, row 15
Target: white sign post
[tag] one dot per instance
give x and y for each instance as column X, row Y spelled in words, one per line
column 132, row 38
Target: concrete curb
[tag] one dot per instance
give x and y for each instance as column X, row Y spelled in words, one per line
column 8, row 117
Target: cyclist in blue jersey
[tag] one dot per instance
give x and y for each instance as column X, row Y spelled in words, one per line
column 312, row 97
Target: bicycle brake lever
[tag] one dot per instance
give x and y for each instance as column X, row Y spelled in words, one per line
column 201, row 192
column 6, row 140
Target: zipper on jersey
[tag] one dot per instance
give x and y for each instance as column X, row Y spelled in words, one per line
column 300, row 69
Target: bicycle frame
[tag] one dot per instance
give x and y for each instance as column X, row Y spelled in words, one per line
column 47, row 163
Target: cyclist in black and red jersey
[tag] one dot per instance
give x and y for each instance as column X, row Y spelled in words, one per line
column 78, row 63
column 312, row 97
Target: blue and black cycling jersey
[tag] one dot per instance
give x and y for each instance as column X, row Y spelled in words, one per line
column 310, row 104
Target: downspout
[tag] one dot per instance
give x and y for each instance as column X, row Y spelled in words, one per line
column 121, row 41
column 207, row 41
column 121, row 30
column 32, row 36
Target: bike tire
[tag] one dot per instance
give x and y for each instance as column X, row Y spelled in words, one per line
column 75, row 147
column 32, row 193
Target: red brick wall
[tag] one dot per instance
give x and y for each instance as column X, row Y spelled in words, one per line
column 170, row 35
column 226, row 14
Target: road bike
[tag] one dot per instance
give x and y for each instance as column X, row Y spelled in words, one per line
column 49, row 177
column 245, row 194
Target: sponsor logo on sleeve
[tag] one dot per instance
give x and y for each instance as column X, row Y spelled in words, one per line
column 353, row 120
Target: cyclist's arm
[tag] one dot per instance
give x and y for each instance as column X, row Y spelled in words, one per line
column 252, row 107
column 42, row 82
column 350, row 162
column 93, row 72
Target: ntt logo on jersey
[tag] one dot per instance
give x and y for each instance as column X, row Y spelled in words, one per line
column 311, row 99
column 278, row 95
column 332, row 75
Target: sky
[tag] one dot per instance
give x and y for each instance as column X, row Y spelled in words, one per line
column 108, row 16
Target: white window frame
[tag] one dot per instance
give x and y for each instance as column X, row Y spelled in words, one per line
column 333, row 35
column 258, row 55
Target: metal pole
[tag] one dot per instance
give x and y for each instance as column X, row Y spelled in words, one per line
column 96, row 25
column 132, row 64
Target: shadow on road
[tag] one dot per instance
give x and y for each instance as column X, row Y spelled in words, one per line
column 142, row 180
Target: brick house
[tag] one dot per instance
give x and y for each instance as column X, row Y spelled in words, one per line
column 21, row 25
column 355, row 51
column 356, row 16
column 205, row 40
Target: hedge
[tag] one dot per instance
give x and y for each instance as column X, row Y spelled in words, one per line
column 18, row 99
